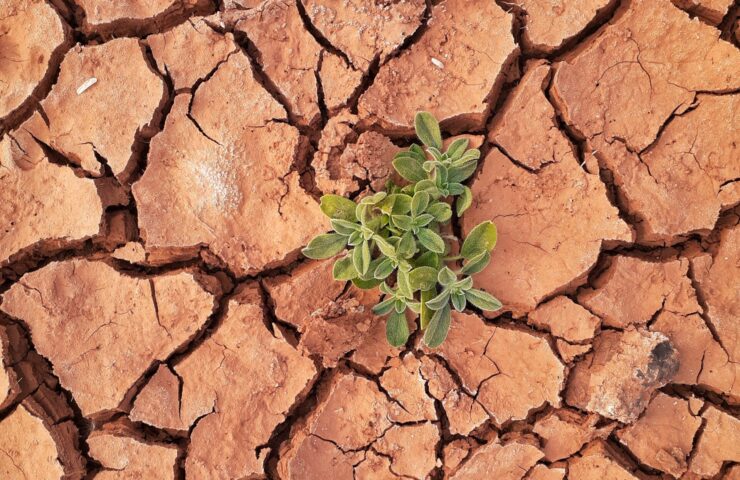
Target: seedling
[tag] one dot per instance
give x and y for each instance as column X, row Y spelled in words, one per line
column 395, row 241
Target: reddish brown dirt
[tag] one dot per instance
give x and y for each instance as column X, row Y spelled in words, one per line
column 160, row 165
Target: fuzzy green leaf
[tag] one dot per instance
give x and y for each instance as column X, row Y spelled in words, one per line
column 427, row 129
column 385, row 247
column 419, row 203
column 441, row 211
column 397, row 329
column 438, row 327
column 344, row 269
column 431, row 240
column 409, row 168
column 404, row 287
column 343, row 227
column 422, row 278
column 336, row 206
column 480, row 239
column 458, row 301
column 423, row 220
column 384, row 307
column 483, row 300
column 366, row 284
column 446, row 277
column 366, row 258
column 404, row 222
column 459, row 173
column 325, row 246
column 457, row 148
column 439, row 301
column 464, row 201
column 384, row 269
column 426, row 312
column 428, row 259
column 476, row 264
column 374, row 199
column 407, row 245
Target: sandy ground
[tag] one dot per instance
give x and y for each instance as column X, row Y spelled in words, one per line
column 161, row 162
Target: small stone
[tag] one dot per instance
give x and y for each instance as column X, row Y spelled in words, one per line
column 502, row 462
column 28, row 447
column 410, row 82
column 126, row 458
column 617, row 379
column 565, row 319
column 565, row 431
column 663, row 436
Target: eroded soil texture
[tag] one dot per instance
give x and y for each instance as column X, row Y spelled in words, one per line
column 161, row 164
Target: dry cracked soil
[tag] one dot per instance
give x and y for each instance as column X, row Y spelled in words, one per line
column 161, row 164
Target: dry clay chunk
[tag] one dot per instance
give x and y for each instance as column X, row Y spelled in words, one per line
column 27, row 449
column 30, row 35
column 511, row 371
column 617, row 379
column 91, row 79
column 502, row 462
column 103, row 13
column 43, row 202
column 433, row 73
column 552, row 216
column 125, row 458
column 719, row 443
column 221, row 174
column 597, row 463
column 100, row 329
column 238, row 386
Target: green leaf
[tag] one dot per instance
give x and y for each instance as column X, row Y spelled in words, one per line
column 427, row 129
column 407, row 245
column 397, row 203
column 439, row 301
column 458, row 301
column 325, row 246
column 455, row 188
column 384, row 269
column 404, row 222
column 426, row 312
column 399, row 305
column 422, row 278
column 366, row 284
column 481, row 239
column 459, row 173
column 397, row 329
column 336, row 206
column 355, row 239
column 385, row 247
column 366, row 258
column 438, row 327
column 482, row 300
column 476, row 264
column 384, row 307
column 441, row 211
column 472, row 154
column 409, row 168
column 417, row 150
column 404, row 287
column 426, row 186
column 423, row 220
column 344, row 269
column 428, row 259
column 343, row 227
column 446, row 277
column 464, row 201
column 457, row 148
column 431, row 240
column 419, row 203
column 463, row 285
column 438, row 156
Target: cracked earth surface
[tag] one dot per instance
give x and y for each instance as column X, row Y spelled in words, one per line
column 160, row 169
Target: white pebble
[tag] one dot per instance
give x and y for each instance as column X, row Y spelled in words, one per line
column 437, row 63
column 88, row 83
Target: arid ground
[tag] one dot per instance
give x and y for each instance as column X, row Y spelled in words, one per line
column 162, row 162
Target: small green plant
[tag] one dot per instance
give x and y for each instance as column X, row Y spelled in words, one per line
column 397, row 243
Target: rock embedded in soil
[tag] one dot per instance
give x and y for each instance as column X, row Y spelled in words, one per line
column 565, row 431
column 565, row 319
column 28, row 449
column 549, row 25
column 42, row 204
column 511, row 371
column 596, row 462
column 718, row 444
column 365, row 31
column 503, row 462
column 221, row 174
column 552, row 216
column 101, row 329
column 72, row 120
column 632, row 290
column 242, row 367
column 32, row 36
column 158, row 402
column 125, row 458
column 618, row 378
column 190, row 52
column 414, row 80
column 333, row 319
column 663, row 436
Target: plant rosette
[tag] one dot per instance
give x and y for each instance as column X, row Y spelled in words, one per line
column 393, row 238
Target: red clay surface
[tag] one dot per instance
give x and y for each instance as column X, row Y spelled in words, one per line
column 160, row 167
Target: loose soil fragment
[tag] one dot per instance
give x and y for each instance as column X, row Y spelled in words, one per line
column 511, row 371
column 42, row 204
column 570, row 351
column 663, row 437
column 617, row 379
column 565, row 431
column 31, row 36
column 640, row 66
column 711, row 11
column 76, row 108
column 631, row 291
column 158, row 403
column 100, row 329
column 719, row 443
column 237, row 387
column 565, row 319
column 27, row 450
column 597, row 463
column 552, row 216
column 502, row 462
column 124, row 458
column 549, row 25
column 541, row 472
column 222, row 174
column 365, row 31
column 332, row 318
column 190, row 51
column 435, row 73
